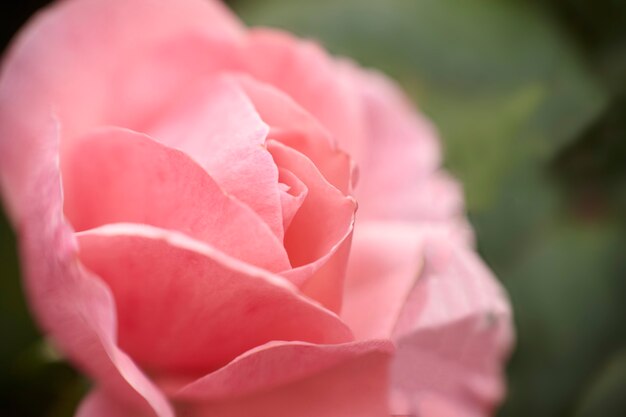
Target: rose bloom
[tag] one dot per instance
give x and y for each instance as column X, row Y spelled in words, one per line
column 185, row 194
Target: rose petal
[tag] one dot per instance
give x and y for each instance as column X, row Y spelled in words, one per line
column 325, row 215
column 355, row 387
column 309, row 76
column 53, row 63
column 184, row 308
column 454, row 332
column 423, row 286
column 393, row 121
column 276, row 364
column 70, row 304
column 436, row 198
column 217, row 125
column 292, row 197
column 397, row 134
column 385, row 261
column 116, row 175
column 320, row 233
column 100, row 404
column 295, row 127
column 68, row 31
column 434, row 405
column 325, row 276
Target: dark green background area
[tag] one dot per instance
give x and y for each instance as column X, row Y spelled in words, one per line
column 530, row 101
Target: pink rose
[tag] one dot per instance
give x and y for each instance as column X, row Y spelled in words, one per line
column 185, row 190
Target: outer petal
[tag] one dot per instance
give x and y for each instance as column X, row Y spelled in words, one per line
column 217, row 125
column 354, row 387
column 386, row 260
column 100, row 404
column 115, row 175
column 453, row 334
column 423, row 287
column 398, row 135
column 385, row 263
column 72, row 305
column 309, row 76
column 95, row 62
column 276, row 364
column 185, row 308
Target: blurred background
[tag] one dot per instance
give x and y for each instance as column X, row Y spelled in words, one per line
column 530, row 100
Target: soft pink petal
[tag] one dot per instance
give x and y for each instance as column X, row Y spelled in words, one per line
column 392, row 121
column 423, row 286
column 98, row 403
column 292, row 196
column 356, row 387
column 432, row 405
column 94, row 62
column 308, row 75
column 326, row 276
column 397, row 135
column 457, row 284
column 70, row 303
column 295, row 127
column 321, row 230
column 116, row 175
column 276, row 364
column 325, row 216
column 385, row 262
column 121, row 72
column 217, row 125
column 454, row 333
column 436, row 198
column 184, row 308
